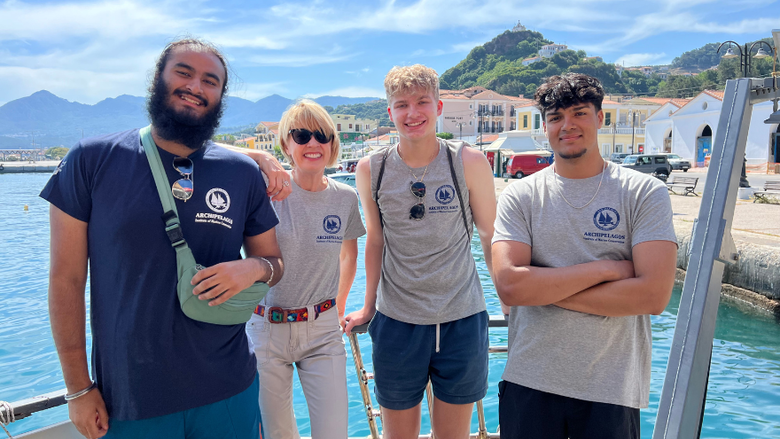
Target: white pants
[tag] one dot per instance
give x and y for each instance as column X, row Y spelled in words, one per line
column 316, row 348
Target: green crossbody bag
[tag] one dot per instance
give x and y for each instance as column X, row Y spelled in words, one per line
column 236, row 310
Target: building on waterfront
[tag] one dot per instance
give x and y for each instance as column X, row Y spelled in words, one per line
column 351, row 129
column 475, row 112
column 624, row 123
column 689, row 129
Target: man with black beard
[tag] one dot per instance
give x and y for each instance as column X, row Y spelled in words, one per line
column 155, row 372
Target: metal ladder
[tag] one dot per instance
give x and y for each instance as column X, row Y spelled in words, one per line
column 372, row 414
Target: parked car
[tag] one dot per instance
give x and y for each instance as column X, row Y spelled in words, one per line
column 526, row 163
column 655, row 164
column 678, row 163
column 618, row 157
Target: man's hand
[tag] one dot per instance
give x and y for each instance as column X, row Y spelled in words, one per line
column 88, row 414
column 220, row 282
column 358, row 318
column 278, row 185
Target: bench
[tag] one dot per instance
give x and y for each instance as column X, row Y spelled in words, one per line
column 687, row 184
column 771, row 189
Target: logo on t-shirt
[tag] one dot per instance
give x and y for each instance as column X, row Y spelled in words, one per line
column 59, row 168
column 331, row 224
column 445, row 194
column 218, row 200
column 606, row 219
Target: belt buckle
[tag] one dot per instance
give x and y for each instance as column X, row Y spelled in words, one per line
column 276, row 314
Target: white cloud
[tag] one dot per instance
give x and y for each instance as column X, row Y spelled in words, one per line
column 643, row 59
column 351, row 92
column 82, row 86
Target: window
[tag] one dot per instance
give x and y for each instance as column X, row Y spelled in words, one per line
column 350, row 126
column 660, row 160
column 619, row 147
column 338, row 127
column 357, row 127
column 607, row 119
column 537, row 121
column 525, row 121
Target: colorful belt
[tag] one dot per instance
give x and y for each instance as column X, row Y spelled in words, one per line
column 279, row 315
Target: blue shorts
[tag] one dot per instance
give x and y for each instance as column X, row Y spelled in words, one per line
column 237, row 417
column 405, row 358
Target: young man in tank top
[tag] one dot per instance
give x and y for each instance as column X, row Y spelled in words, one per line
column 584, row 252
column 421, row 199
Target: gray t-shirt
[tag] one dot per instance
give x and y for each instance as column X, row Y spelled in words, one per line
column 312, row 226
column 578, row 355
column 428, row 272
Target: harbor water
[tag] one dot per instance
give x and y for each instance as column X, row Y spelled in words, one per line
column 743, row 398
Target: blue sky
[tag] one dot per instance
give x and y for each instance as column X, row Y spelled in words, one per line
column 86, row 51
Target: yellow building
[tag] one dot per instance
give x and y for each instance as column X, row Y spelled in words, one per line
column 624, row 123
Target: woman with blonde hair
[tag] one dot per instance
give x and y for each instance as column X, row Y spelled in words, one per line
column 296, row 325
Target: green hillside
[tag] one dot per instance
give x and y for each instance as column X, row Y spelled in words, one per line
column 498, row 65
column 369, row 110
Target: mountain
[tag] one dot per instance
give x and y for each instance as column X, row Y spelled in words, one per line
column 498, row 66
column 52, row 121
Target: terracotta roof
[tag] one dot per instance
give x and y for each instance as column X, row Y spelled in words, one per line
column 678, row 102
column 489, row 138
column 717, row 94
column 611, row 102
column 530, row 103
column 476, row 93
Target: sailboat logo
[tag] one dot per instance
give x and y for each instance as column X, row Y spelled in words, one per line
column 606, row 218
column 331, row 224
column 445, row 194
column 218, row 200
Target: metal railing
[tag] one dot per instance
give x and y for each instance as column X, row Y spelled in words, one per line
column 372, row 414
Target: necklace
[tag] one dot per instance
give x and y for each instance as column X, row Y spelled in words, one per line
column 425, row 171
column 560, row 188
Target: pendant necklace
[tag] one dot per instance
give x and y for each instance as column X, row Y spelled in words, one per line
column 425, row 171
column 560, row 188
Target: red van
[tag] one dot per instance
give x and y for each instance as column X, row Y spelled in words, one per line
column 526, row 163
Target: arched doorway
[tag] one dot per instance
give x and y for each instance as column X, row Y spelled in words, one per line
column 703, row 145
column 668, row 141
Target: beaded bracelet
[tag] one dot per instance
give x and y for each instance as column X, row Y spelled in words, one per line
column 270, row 265
column 80, row 393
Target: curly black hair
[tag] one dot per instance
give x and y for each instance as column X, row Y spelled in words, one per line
column 566, row 90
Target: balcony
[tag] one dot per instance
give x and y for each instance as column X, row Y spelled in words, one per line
column 636, row 131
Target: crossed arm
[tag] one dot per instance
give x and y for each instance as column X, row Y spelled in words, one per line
column 605, row 287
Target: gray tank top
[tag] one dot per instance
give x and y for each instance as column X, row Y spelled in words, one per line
column 428, row 272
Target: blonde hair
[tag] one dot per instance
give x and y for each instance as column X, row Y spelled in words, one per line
column 311, row 116
column 410, row 78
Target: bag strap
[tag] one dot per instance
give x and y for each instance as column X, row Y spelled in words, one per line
column 379, row 183
column 457, row 190
column 170, row 215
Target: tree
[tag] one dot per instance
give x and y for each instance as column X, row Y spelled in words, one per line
column 328, row 108
column 57, row 152
column 445, row 136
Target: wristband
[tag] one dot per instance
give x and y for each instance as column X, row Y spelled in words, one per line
column 270, row 265
column 80, row 393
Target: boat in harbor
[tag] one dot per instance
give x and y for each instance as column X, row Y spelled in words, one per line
column 681, row 406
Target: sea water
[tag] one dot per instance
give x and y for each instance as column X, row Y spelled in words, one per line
column 743, row 398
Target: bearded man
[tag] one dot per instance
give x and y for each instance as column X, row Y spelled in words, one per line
column 156, row 372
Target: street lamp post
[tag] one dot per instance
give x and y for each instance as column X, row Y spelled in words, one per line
column 633, row 114
column 460, row 127
column 744, row 64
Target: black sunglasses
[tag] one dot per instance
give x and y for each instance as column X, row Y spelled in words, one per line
column 301, row 136
column 182, row 188
column 417, row 212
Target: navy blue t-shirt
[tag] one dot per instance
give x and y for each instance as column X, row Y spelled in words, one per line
column 148, row 358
